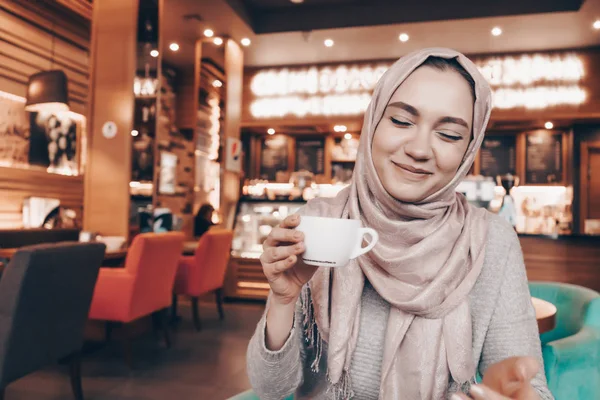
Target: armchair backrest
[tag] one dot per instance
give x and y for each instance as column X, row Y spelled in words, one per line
column 153, row 259
column 211, row 258
column 45, row 295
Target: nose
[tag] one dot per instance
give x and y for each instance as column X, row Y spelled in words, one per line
column 418, row 146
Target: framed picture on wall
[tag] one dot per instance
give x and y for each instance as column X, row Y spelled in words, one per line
column 14, row 133
column 273, row 156
column 310, row 155
column 53, row 142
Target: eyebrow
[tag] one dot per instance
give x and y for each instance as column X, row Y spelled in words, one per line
column 406, row 107
column 412, row 110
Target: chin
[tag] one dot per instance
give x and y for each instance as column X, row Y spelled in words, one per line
column 406, row 193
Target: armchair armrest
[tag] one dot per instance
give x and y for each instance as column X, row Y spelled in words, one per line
column 592, row 314
column 585, row 343
column 572, row 364
column 112, row 295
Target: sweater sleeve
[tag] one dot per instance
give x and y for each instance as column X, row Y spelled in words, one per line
column 274, row 375
column 513, row 329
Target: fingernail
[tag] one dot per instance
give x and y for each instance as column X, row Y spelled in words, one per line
column 298, row 235
column 455, row 397
column 299, row 247
column 477, row 390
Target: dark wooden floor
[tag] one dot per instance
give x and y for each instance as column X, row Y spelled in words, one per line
column 206, row 365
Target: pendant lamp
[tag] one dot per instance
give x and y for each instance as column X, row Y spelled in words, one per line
column 48, row 90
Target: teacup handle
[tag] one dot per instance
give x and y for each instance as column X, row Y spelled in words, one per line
column 361, row 235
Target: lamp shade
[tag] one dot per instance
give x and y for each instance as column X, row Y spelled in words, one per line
column 47, row 91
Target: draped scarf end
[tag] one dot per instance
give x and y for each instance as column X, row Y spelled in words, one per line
column 342, row 390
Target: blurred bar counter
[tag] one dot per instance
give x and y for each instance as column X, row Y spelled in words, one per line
column 563, row 258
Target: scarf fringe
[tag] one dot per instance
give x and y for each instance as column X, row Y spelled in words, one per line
column 342, row 390
column 311, row 331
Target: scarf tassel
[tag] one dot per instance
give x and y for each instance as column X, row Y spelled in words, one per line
column 342, row 390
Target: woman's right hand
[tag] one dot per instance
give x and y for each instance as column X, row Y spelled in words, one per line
column 285, row 272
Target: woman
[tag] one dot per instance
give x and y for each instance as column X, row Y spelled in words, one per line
column 203, row 220
column 443, row 295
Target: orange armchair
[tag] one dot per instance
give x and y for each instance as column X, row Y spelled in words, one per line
column 204, row 272
column 143, row 287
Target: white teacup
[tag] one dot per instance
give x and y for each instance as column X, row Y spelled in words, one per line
column 333, row 242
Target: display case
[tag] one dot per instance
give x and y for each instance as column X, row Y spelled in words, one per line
column 263, row 206
column 253, row 223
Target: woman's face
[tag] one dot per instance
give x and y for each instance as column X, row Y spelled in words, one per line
column 424, row 134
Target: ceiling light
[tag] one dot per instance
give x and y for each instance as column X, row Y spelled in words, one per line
column 245, row 42
column 217, row 83
column 328, row 43
column 596, row 24
column 348, row 136
column 154, row 53
column 340, row 128
column 271, row 131
column 134, row 133
column 209, row 33
column 174, row 46
column 403, row 37
column 497, row 31
column 297, row 1
column 218, row 41
column 548, row 125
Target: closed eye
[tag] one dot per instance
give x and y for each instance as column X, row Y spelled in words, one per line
column 403, row 124
column 450, row 137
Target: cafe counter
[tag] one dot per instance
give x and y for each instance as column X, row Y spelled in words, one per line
column 571, row 259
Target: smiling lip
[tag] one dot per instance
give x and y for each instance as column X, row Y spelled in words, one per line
column 413, row 170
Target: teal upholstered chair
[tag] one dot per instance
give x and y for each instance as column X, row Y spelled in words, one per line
column 572, row 349
column 249, row 395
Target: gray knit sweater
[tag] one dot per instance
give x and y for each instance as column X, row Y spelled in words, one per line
column 503, row 319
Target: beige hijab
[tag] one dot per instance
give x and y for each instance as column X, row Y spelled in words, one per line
column 428, row 258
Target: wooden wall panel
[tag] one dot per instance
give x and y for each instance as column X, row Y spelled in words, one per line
column 81, row 7
column 27, row 30
column 18, row 184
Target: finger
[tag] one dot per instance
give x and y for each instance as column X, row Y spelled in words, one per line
column 459, row 396
column 525, row 392
column 527, row 368
column 283, row 235
column 523, row 371
column 283, row 265
column 290, row 221
column 482, row 392
column 274, row 254
column 508, row 375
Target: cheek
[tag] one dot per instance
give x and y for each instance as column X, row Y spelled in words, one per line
column 449, row 157
column 385, row 141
